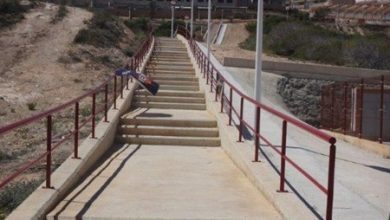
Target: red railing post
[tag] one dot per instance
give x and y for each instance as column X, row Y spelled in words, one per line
column 114, row 94
column 283, row 157
column 222, row 99
column 76, row 131
column 361, row 108
column 48, row 150
column 230, row 105
column 121, row 87
column 345, row 108
column 331, row 173
column 381, row 109
column 257, row 135
column 93, row 114
column 105, row 102
column 207, row 71
column 212, row 79
column 241, row 117
column 332, row 107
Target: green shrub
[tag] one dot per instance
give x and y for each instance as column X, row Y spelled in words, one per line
column 164, row 29
column 32, row 106
column 61, row 12
column 104, row 30
column 14, row 194
column 128, row 51
column 11, row 12
column 137, row 25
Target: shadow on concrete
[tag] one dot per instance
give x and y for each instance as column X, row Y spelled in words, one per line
column 151, row 115
column 378, row 168
column 311, row 208
column 111, row 152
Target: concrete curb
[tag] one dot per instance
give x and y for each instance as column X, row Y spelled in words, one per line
column 67, row 176
column 372, row 146
column 261, row 175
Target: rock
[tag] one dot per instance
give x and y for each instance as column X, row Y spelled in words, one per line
column 302, row 97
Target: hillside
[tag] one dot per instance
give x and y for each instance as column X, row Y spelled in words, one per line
column 42, row 66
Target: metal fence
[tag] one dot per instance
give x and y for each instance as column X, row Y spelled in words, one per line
column 358, row 108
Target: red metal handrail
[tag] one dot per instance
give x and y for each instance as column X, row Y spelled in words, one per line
column 134, row 63
column 208, row 70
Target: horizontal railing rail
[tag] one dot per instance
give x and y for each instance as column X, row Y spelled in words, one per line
column 218, row 83
column 111, row 92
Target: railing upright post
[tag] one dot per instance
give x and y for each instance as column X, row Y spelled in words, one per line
column 222, row 99
column 105, row 102
column 345, row 108
column 93, row 114
column 132, row 68
column 241, row 117
column 76, row 131
column 257, row 134
column 361, row 108
column 332, row 107
column 283, row 157
column 121, row 87
column 381, row 109
column 212, row 79
column 48, row 150
column 207, row 72
column 331, row 173
column 114, row 94
column 230, row 105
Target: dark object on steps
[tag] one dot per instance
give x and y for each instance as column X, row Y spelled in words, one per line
column 146, row 82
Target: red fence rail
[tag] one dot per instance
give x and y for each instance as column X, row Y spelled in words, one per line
column 110, row 89
column 214, row 78
column 358, row 108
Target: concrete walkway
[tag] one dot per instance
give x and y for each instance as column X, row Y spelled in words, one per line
column 165, row 182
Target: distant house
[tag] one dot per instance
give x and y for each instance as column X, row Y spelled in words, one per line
column 370, row 12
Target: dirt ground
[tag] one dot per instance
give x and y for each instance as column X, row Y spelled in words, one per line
column 40, row 67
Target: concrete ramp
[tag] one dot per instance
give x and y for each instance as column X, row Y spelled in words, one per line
column 165, row 182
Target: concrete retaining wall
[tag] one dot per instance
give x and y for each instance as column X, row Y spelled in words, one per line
column 319, row 69
column 42, row 200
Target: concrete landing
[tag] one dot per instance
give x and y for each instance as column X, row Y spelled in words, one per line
column 165, row 182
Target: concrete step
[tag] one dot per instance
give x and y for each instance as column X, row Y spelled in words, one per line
column 184, row 68
column 170, row 99
column 170, row 58
column 181, row 64
column 177, row 82
column 155, row 73
column 168, row 53
column 170, row 48
column 173, row 67
column 169, row 131
column 169, row 105
column 173, row 93
column 170, row 140
column 180, row 88
column 166, row 121
column 175, row 77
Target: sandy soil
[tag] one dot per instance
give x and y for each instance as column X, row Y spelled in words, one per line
column 37, row 67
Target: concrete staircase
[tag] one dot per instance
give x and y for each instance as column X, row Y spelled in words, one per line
column 177, row 114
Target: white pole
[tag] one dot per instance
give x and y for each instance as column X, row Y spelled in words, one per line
column 173, row 15
column 259, row 50
column 192, row 18
column 208, row 31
